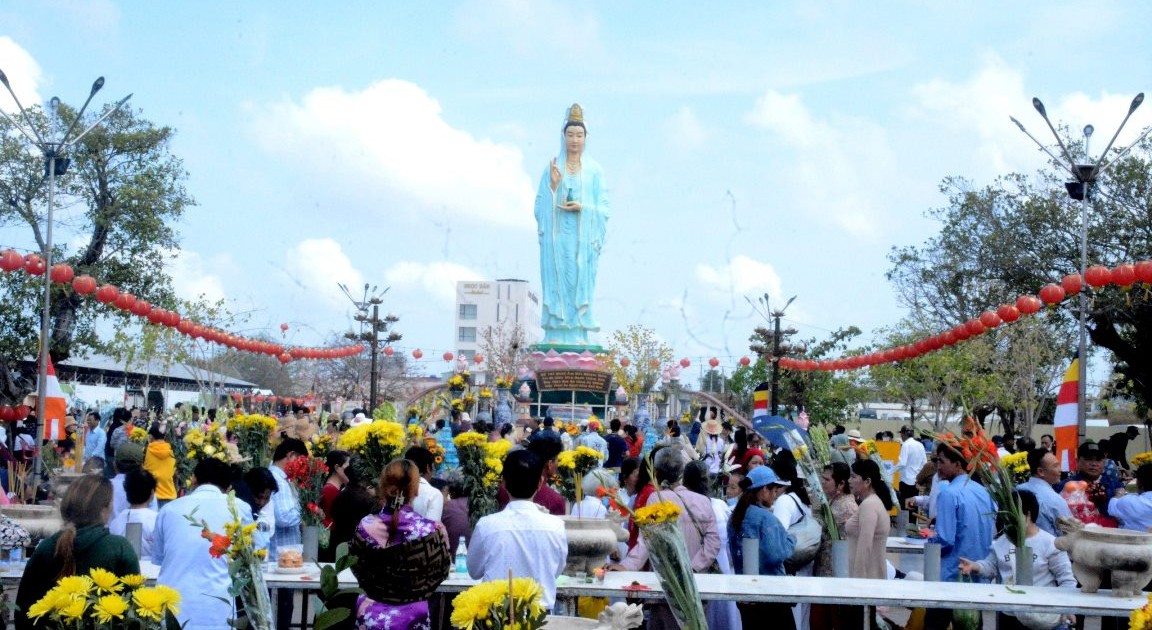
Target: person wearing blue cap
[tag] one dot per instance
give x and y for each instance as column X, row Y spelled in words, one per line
column 753, row 518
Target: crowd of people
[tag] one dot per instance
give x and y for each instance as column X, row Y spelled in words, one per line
column 732, row 486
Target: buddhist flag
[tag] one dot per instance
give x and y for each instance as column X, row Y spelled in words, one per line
column 1067, row 416
column 760, row 400
column 55, row 406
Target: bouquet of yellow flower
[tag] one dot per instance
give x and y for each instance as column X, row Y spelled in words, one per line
column 469, row 400
column 571, row 466
column 485, row 393
column 320, row 444
column 513, row 603
column 205, row 442
column 457, row 404
column 245, row 564
column 503, row 382
column 376, row 443
column 101, row 599
column 138, row 436
column 457, row 382
column 1017, row 464
column 254, row 437
column 481, row 463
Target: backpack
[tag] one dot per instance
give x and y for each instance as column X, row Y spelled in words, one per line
column 807, row 532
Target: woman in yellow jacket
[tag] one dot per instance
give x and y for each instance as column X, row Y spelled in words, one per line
column 160, row 461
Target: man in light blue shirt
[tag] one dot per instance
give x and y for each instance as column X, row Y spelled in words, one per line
column 182, row 552
column 591, row 438
column 94, row 438
column 965, row 524
column 286, row 507
column 1134, row 511
column 1045, row 474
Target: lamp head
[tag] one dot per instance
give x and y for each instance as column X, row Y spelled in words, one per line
column 4, row 80
column 1131, row 108
column 96, row 85
column 1039, row 106
column 1088, row 129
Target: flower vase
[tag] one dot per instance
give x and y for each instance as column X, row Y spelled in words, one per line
column 311, row 540
column 668, row 554
column 641, row 418
column 1024, row 561
column 254, row 597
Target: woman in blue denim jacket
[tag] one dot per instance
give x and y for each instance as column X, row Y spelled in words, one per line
column 753, row 518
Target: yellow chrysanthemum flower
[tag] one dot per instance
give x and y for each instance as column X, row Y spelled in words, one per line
column 170, row 597
column 470, row 438
column 133, row 581
column 149, row 603
column 75, row 608
column 653, row 514
column 75, row 585
column 52, row 600
column 105, row 580
column 110, row 607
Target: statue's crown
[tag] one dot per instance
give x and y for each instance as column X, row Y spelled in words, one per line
column 575, row 113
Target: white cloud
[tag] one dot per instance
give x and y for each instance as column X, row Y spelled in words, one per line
column 838, row 164
column 741, row 276
column 438, row 278
column 684, row 130
column 194, row 276
column 390, row 139
column 317, row 265
column 23, row 75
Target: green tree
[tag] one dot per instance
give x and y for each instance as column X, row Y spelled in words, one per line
column 1019, row 233
column 712, row 382
column 119, row 198
column 743, row 383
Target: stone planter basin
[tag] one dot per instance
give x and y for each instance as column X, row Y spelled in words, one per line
column 1126, row 554
column 41, row 521
column 590, row 540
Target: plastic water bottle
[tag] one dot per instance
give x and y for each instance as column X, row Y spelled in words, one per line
column 462, row 557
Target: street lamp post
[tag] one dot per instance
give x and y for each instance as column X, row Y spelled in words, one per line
column 777, row 314
column 372, row 337
column 1084, row 175
column 55, row 163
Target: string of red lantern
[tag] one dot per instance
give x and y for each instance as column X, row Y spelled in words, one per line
column 1052, row 294
column 63, row 274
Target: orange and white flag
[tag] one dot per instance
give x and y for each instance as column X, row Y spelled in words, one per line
column 55, row 406
column 1067, row 417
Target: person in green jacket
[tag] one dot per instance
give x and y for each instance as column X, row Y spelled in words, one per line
column 82, row 545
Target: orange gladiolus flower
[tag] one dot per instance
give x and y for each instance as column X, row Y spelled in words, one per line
column 220, row 545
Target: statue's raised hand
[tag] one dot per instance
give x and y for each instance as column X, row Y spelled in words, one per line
column 554, row 175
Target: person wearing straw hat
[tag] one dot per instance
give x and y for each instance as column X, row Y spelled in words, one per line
column 711, row 444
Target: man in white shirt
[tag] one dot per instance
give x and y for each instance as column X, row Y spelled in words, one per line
column 521, row 538
column 429, row 501
column 140, row 488
column 591, row 438
column 911, row 462
column 182, row 552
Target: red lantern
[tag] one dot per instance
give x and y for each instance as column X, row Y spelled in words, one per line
column 141, row 308
column 948, row 337
column 156, row 315
column 625, row 362
column 1072, row 283
column 61, row 273
column 1124, row 275
column 713, row 362
column 1028, row 304
column 1143, row 270
column 745, row 361
column 7, row 413
column 961, row 332
column 448, row 356
column 23, row 411
column 974, row 327
column 10, row 260
column 107, row 294
column 388, row 351
column 1052, row 294
column 125, row 301
column 284, row 358
column 417, row 354
column 1098, row 276
column 284, row 327
column 684, row 363
column 34, row 264
column 1008, row 313
column 477, row 359
column 185, row 326
column 84, row 285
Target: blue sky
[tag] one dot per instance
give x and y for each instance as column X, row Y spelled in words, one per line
column 750, row 147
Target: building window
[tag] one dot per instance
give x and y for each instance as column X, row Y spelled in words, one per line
column 467, row 311
column 466, row 334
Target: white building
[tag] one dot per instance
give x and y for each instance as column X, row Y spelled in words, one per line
column 502, row 303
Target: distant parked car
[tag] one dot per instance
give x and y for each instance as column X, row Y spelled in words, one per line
column 868, row 414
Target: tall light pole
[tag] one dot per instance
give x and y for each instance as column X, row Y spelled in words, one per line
column 777, row 314
column 371, row 336
column 56, row 162
column 1084, row 175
